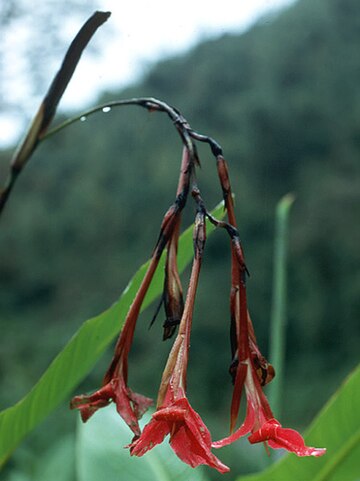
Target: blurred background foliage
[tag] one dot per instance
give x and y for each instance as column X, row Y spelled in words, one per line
column 283, row 99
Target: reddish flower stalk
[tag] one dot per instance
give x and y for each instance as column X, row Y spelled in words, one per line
column 249, row 368
column 189, row 437
column 131, row 406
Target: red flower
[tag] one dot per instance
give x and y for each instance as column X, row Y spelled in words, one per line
column 131, row 406
column 279, row 437
column 260, row 420
column 189, row 437
column 249, row 368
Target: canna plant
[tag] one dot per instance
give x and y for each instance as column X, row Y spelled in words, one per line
column 249, row 370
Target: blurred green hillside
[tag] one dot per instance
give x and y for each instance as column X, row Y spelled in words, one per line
column 283, row 100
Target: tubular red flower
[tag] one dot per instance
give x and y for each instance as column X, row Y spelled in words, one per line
column 131, row 406
column 252, row 372
column 262, row 425
column 189, row 437
column 249, row 368
column 114, row 388
column 279, row 437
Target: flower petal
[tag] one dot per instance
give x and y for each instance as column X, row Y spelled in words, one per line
column 245, row 428
column 191, row 449
column 127, row 404
column 131, row 406
column 279, row 437
column 140, row 403
column 197, row 426
column 153, row 433
column 89, row 404
column 189, row 437
column 236, row 397
column 170, row 414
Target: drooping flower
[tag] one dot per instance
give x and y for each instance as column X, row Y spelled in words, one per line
column 260, row 421
column 189, row 437
column 131, row 406
column 249, row 368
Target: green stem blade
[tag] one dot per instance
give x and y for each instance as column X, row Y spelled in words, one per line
column 278, row 312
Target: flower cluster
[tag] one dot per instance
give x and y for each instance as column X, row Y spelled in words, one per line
column 189, row 437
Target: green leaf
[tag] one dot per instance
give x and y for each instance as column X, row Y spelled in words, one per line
column 101, row 454
column 57, row 463
column 337, row 428
column 81, row 353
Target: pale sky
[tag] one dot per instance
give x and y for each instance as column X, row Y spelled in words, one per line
column 141, row 33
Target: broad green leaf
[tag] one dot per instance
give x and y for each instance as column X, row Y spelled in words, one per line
column 337, row 428
column 58, row 462
column 101, row 454
column 81, row 353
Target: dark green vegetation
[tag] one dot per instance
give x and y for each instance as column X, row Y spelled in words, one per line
column 284, row 102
